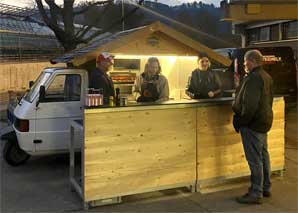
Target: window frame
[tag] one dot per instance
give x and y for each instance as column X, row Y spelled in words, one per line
column 256, row 31
column 286, row 27
column 49, row 100
column 268, row 33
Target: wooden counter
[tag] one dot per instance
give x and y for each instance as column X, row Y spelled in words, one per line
column 220, row 153
column 142, row 148
column 129, row 152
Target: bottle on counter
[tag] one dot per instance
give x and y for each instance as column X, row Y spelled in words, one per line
column 100, row 96
column 123, row 101
column 111, row 101
column 117, row 97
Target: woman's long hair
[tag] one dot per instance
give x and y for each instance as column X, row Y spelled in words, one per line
column 151, row 60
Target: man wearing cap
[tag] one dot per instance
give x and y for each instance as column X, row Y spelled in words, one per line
column 98, row 78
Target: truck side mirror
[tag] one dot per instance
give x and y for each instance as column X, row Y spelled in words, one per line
column 31, row 83
column 42, row 93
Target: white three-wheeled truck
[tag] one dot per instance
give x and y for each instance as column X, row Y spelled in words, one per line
column 40, row 122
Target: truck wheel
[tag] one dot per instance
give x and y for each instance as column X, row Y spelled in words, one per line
column 13, row 154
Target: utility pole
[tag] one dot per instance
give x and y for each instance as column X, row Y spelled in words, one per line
column 123, row 24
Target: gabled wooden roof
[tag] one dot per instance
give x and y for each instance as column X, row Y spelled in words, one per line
column 114, row 42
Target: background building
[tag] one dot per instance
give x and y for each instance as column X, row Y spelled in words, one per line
column 275, row 33
column 23, row 37
column 264, row 23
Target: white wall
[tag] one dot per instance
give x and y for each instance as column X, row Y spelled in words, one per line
column 177, row 69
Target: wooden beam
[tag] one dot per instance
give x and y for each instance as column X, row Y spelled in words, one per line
column 194, row 44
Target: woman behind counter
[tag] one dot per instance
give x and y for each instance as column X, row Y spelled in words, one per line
column 203, row 83
column 151, row 85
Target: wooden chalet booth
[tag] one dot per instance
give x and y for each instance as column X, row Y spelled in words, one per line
column 176, row 52
column 179, row 143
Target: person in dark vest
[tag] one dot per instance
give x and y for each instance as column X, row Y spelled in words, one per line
column 203, row 83
column 253, row 119
column 98, row 77
column 151, row 85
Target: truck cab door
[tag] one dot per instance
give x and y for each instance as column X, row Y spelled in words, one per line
column 62, row 104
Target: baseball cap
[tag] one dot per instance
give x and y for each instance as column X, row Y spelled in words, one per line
column 105, row 56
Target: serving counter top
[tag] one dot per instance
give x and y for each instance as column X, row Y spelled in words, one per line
column 171, row 104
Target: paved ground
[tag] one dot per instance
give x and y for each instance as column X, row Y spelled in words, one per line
column 42, row 186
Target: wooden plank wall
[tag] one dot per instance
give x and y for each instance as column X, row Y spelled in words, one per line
column 219, row 147
column 17, row 76
column 276, row 136
column 220, row 152
column 147, row 151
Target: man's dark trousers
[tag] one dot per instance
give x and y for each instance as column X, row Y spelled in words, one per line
column 257, row 156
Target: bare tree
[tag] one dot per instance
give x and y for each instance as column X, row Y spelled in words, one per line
column 61, row 21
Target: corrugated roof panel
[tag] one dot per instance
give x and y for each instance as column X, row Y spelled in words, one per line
column 25, row 27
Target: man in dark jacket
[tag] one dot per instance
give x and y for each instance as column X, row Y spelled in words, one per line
column 203, row 83
column 253, row 118
column 99, row 79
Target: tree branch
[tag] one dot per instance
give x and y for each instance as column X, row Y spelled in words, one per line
column 68, row 16
column 114, row 23
column 43, row 12
column 55, row 10
column 51, row 22
column 80, row 30
column 86, row 8
column 96, row 20
column 53, row 5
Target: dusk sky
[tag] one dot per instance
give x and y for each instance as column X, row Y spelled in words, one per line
column 175, row 2
column 23, row 3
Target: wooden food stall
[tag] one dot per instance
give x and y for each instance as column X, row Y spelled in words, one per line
column 142, row 148
column 180, row 143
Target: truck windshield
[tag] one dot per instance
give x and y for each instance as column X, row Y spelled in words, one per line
column 43, row 77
